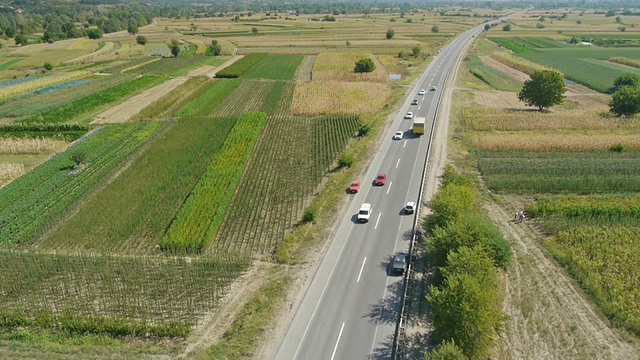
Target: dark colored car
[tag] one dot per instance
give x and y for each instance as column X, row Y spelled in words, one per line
column 399, row 264
column 354, row 187
column 380, row 180
column 414, row 102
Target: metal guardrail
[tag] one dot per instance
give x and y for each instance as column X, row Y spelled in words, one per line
column 414, row 231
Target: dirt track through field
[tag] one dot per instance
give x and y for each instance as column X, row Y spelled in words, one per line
column 124, row 111
column 549, row 317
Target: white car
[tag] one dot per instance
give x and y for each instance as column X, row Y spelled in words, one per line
column 410, row 207
column 422, row 92
column 433, row 88
column 365, row 212
column 409, row 115
column 398, row 135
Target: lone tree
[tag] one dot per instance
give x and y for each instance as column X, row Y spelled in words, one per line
column 625, row 101
column 546, row 88
column 132, row 29
column 390, row 34
column 416, row 50
column 487, row 27
column 507, row 27
column 174, row 47
column 254, row 30
column 364, row 65
column 141, row 40
column 435, row 29
column 626, row 79
column 215, row 48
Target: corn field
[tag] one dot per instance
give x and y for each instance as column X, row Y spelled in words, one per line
column 339, row 98
column 197, row 223
column 288, row 164
column 112, row 295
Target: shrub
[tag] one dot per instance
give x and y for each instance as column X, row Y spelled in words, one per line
column 48, row 66
column 619, row 147
column 364, row 65
column 364, row 129
column 345, row 160
column 78, row 157
column 309, row 215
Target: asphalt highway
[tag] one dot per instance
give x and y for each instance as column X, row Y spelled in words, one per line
column 351, row 308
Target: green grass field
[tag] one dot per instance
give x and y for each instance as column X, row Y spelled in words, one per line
column 276, row 67
column 493, row 78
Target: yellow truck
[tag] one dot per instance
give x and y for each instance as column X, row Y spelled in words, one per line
column 418, row 125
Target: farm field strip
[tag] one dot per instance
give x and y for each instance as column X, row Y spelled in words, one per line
column 275, row 67
column 205, row 104
column 29, row 205
column 78, row 110
column 156, row 185
column 280, row 179
column 339, row 98
column 241, row 66
column 493, row 78
column 40, row 83
column 112, row 295
column 197, row 222
column 250, row 96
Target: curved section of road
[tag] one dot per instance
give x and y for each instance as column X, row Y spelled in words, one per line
column 351, row 308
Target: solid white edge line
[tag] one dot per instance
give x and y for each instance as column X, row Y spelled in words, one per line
column 361, row 268
column 398, row 163
column 337, row 342
column 389, row 188
column 405, row 144
column 377, row 221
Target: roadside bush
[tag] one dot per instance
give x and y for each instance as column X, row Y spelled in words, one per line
column 448, row 350
column 309, row 215
column 345, row 160
column 449, row 203
column 617, row 148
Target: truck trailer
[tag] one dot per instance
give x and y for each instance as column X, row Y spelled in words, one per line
column 418, row 125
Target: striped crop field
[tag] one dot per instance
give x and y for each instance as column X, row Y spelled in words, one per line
column 40, row 83
column 287, row 165
column 491, row 77
column 592, row 172
column 156, row 185
column 553, row 142
column 197, row 222
column 275, row 67
column 30, row 205
column 339, row 98
column 257, row 95
column 112, row 295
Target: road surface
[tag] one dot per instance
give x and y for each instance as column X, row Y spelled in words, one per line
column 351, row 307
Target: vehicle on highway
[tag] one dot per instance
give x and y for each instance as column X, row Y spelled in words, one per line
column 414, row 102
column 364, row 214
column 410, row 207
column 409, row 115
column 354, row 187
column 418, row 125
column 422, row 92
column 380, row 180
column 433, row 88
column 398, row 135
column 399, row 264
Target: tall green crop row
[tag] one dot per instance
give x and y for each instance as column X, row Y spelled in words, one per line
column 32, row 203
column 286, row 167
column 146, row 196
column 112, row 295
column 197, row 223
column 276, row 67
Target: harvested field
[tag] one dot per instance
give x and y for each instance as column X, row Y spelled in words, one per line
column 499, row 99
column 9, row 172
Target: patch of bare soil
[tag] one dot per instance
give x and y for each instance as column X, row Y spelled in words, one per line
column 305, row 70
column 549, row 317
column 211, row 71
column 511, row 72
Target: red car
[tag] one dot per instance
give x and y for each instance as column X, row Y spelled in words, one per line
column 354, row 187
column 380, row 180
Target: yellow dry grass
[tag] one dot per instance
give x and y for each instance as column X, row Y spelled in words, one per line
column 334, row 97
column 518, row 63
column 9, row 172
column 9, row 146
column 485, row 119
column 553, row 142
column 339, row 67
column 40, row 83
